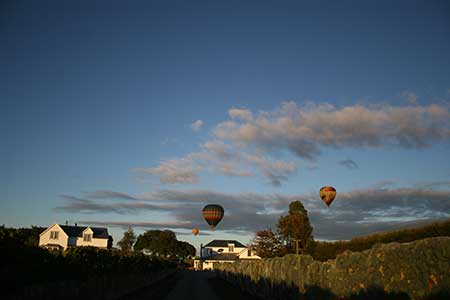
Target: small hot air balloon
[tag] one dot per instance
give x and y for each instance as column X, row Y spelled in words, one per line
column 195, row 231
column 327, row 193
column 212, row 213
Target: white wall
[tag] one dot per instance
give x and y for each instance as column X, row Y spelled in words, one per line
column 240, row 251
column 226, row 249
column 63, row 238
column 197, row 265
column 244, row 254
column 101, row 243
column 209, row 264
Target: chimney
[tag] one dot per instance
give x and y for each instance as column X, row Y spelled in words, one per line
column 67, row 222
column 75, row 224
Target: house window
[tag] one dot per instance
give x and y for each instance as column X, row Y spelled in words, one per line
column 87, row 237
column 249, row 252
column 231, row 248
column 54, row 235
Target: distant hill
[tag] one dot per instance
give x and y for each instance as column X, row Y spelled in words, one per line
column 329, row 250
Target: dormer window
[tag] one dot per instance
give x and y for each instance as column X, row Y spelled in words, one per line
column 231, row 248
column 54, row 235
column 87, row 237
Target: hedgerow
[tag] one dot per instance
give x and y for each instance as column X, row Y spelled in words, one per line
column 22, row 264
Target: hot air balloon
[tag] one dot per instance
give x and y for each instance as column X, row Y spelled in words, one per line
column 195, row 231
column 327, row 193
column 212, row 213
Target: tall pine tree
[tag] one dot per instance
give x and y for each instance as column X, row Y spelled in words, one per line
column 296, row 226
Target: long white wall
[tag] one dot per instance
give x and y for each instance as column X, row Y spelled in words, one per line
column 226, row 249
column 101, row 243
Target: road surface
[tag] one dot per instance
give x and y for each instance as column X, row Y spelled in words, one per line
column 190, row 285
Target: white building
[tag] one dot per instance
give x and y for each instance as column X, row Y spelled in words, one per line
column 222, row 251
column 63, row 236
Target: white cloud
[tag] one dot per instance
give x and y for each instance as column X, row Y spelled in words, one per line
column 172, row 171
column 250, row 144
column 197, row 125
column 274, row 170
column 303, row 130
column 218, row 157
column 243, row 114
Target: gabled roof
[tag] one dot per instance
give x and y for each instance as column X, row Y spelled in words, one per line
column 77, row 231
column 222, row 256
column 224, row 243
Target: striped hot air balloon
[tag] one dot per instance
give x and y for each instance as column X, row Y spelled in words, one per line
column 213, row 213
column 327, row 193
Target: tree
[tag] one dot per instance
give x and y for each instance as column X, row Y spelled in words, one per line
column 126, row 243
column 297, row 207
column 26, row 236
column 163, row 243
column 267, row 244
column 184, row 249
column 296, row 226
column 157, row 242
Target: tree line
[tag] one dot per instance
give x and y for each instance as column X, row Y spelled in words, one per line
column 26, row 236
column 162, row 243
column 295, row 229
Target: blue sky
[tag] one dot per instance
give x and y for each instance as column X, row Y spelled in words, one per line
column 100, row 99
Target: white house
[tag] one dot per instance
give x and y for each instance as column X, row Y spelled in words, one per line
column 63, row 236
column 222, row 251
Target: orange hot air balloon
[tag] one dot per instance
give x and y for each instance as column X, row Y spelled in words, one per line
column 327, row 193
column 195, row 231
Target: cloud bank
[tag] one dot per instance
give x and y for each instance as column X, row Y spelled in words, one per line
column 303, row 130
column 252, row 144
column 353, row 213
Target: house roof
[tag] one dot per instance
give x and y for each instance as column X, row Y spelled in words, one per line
column 224, row 243
column 77, row 231
column 222, row 256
